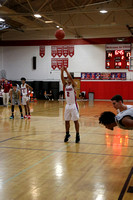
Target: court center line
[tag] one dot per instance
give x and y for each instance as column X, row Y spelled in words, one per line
column 30, row 167
column 60, row 151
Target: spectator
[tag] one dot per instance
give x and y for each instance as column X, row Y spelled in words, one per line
column 6, row 93
column 45, row 95
column 81, row 95
column 61, row 94
column 51, row 96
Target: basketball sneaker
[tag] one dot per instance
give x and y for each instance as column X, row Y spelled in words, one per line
column 22, row 117
column 12, row 117
column 25, row 116
column 77, row 138
column 67, row 136
column 28, row 116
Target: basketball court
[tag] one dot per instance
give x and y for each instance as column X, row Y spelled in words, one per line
column 93, row 40
column 37, row 164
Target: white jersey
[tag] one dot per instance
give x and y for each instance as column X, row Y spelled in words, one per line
column 70, row 94
column 128, row 106
column 71, row 109
column 121, row 115
column 24, row 89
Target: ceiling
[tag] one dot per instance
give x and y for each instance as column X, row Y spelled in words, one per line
column 78, row 18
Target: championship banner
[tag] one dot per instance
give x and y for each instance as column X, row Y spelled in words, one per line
column 71, row 51
column 42, row 51
column 62, row 50
column 53, row 63
column 53, row 51
column 59, row 51
column 103, row 76
column 65, row 51
column 58, row 63
column 65, row 62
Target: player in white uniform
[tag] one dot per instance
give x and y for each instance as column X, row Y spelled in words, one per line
column 71, row 109
column 25, row 90
column 117, row 102
column 124, row 119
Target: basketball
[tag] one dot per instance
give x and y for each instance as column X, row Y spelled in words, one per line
column 59, row 34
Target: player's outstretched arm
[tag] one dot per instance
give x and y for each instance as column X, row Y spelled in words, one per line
column 69, row 76
column 62, row 76
column 127, row 122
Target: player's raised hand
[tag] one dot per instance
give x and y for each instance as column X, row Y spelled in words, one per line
column 65, row 69
column 62, row 69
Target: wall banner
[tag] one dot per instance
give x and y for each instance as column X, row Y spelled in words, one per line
column 42, row 51
column 103, row 76
column 53, row 51
column 58, row 63
column 62, row 51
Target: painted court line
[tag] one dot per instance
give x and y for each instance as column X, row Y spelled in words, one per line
column 125, row 185
column 81, row 143
column 14, row 137
column 30, row 167
column 60, row 150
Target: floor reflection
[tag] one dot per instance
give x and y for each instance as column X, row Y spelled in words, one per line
column 118, row 139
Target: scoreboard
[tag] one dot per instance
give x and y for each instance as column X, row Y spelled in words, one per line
column 117, row 56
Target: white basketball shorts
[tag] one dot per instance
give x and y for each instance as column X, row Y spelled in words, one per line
column 25, row 99
column 71, row 112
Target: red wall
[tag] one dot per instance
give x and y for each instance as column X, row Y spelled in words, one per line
column 107, row 89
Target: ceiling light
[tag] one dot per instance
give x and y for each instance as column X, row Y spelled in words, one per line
column 120, row 39
column 103, row 11
column 49, row 22
column 2, row 20
column 57, row 27
column 0, row 5
column 4, row 26
column 37, row 16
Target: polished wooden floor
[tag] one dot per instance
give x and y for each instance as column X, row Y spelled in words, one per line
column 35, row 163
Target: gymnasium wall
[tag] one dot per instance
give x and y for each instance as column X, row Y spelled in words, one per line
column 107, row 89
column 17, row 61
